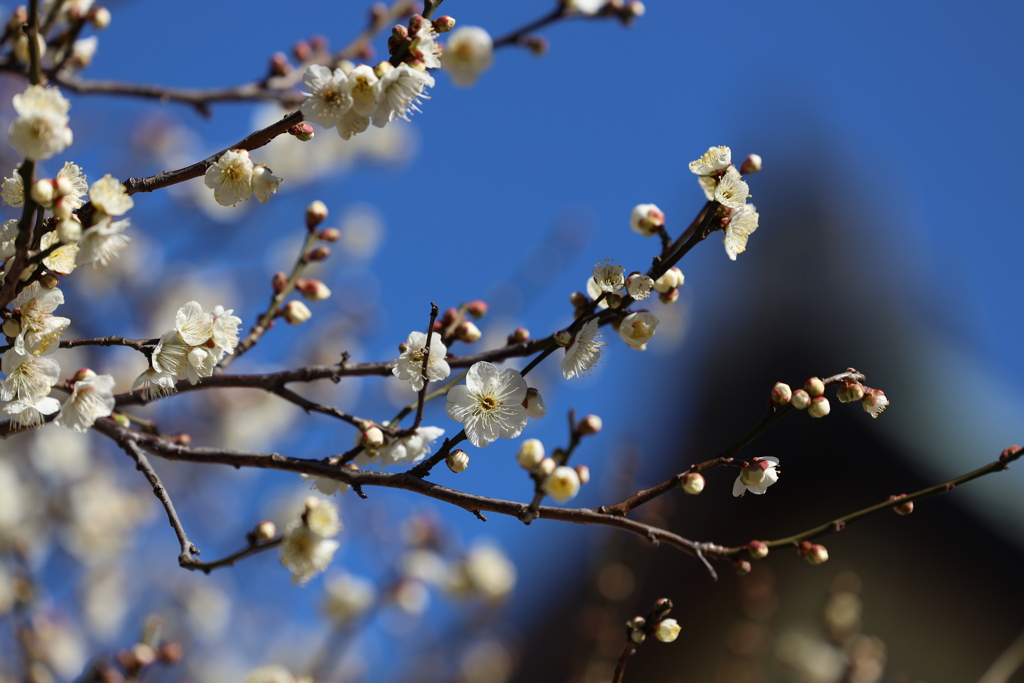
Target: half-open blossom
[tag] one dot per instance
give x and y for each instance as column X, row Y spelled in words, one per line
column 62, row 259
column 409, row 366
column 109, row 196
column 742, row 222
column 328, row 97
column 225, row 329
column 29, row 414
column 425, row 48
column 154, row 385
column 489, row 404
column 874, row 402
column 647, row 219
column 639, row 286
column 400, row 91
column 91, row 399
column 731, row 191
column 230, row 177
column 264, row 183
column 584, row 352
column 469, row 52
column 41, row 129
column 756, row 477
column 637, row 329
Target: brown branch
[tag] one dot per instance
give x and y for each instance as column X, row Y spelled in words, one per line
column 188, row 549
column 726, row 457
column 515, row 36
column 137, row 344
column 253, row 548
column 620, row 665
column 314, row 407
column 404, row 480
column 1003, row 463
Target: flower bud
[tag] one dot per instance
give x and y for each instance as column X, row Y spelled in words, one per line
column 315, row 290
column 752, row 475
column 589, row 425
column 467, row 332
column 519, row 335
column 530, row 455
column 12, row 328
column 443, row 24
column 372, row 438
column 819, row 407
column 671, row 279
column 579, row 300
column 279, row 64
column 669, row 297
column 83, row 373
column 800, row 399
column 667, row 630
column 100, row 17
column 534, row 404
column 814, row 387
column 903, row 508
column 264, row 531
column 477, row 309
column 1009, row 452
column 647, row 219
column 563, row 338
column 636, row 8
column 121, row 419
column 854, row 392
column 302, row 131
column 170, row 652
column 692, row 483
column 69, row 230
column 781, row 393
column 742, row 567
column 295, row 312
column 562, row 484
column 316, row 213
column 302, row 50
column 817, row 554
column 48, row 281
column 757, row 550
column 613, row 300
column 329, row 235
column 583, row 472
column 143, row 654
column 63, row 186
column 637, row 636
column 318, row 253
column 537, row 45
column 279, row 282
column 752, row 164
column 181, row 439
column 457, row 461
column 449, row 316
column 546, row 467
column 43, row 192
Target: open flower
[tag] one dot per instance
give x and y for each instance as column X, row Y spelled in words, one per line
column 109, row 196
column 409, row 449
column 328, row 96
column 230, row 177
column 306, row 548
column 637, row 329
column 92, row 398
column 469, row 53
column 29, row 377
column 715, row 159
column 41, row 129
column 756, row 477
column 489, row 404
column 409, row 366
column 584, row 352
column 609, row 277
column 742, row 222
column 732, row 191
column 103, row 242
column 30, row 413
column 400, row 91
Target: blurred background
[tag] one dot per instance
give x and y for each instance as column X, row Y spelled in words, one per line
column 888, row 134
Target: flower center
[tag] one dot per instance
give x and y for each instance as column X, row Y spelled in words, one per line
column 488, row 404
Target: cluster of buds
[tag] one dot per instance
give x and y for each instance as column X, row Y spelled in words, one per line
column 814, row 553
column 655, row 623
column 454, row 325
column 558, row 480
column 812, row 398
column 668, row 285
column 414, row 44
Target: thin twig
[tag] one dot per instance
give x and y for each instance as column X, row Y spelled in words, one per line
column 421, row 395
column 620, row 666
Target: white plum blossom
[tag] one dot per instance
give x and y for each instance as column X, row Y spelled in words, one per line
column 79, row 184
column 270, row 673
column 29, row 413
column 8, row 235
column 609, row 277
column 199, row 341
column 230, row 177
column 348, row 597
column 41, row 129
column 563, row 484
column 326, row 486
column 352, row 124
column 469, row 52
column 587, row 7
column 646, row 219
column 409, row 449
column 584, row 352
column 489, row 404
column 103, row 242
column 29, row 377
column 194, row 325
column 756, row 477
column 264, row 183
column 306, row 548
column 486, row 571
column 13, row 190
column 637, row 329
column 91, row 399
column 225, row 329
column 593, row 291
column 715, row 159
column 61, row 260
column 154, row 385
column 109, row 196
column 363, row 86
column 874, row 402
column 328, row 98
column 400, row 91
column 409, row 366
column 425, row 48
column 732, row 191
column 40, row 328
column 742, row 222
column 639, row 286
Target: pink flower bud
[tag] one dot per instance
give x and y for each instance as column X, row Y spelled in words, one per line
column 302, row 50
column 519, row 335
column 742, row 567
column 647, row 219
column 583, row 472
column 819, row 407
column 477, row 309
column 467, row 332
column 279, row 282
column 757, row 549
column 903, row 508
column 329, row 235
column 692, row 483
column 443, row 24
column 752, row 164
column 589, row 425
column 302, row 131
column 563, row 338
column 781, row 393
column 669, row 297
column 181, row 439
column 295, row 312
column 537, row 45
column 314, row 290
column 800, row 399
column 84, row 373
column 279, row 64
column 814, row 387
column 817, row 554
column 579, row 300
column 449, row 316
column 318, row 253
column 264, row 531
